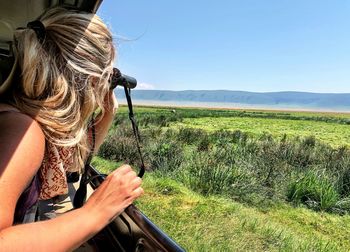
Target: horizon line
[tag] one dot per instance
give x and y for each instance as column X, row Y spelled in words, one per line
column 225, row 90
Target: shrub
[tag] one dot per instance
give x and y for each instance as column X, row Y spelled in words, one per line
column 157, row 119
column 225, row 137
column 204, row 143
column 207, row 176
column 191, row 136
column 314, row 191
column 225, row 154
column 166, row 156
column 301, row 156
column 152, row 133
column 344, row 183
column 119, row 148
column 309, row 141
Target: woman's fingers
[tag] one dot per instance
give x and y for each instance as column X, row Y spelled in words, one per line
column 136, row 183
column 137, row 192
column 124, row 181
column 124, row 169
column 110, row 102
column 129, row 176
column 117, row 192
column 134, row 195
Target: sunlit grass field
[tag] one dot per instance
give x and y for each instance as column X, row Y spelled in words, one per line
column 329, row 127
column 215, row 223
column 147, row 109
column 241, row 180
column 230, row 112
column 329, row 132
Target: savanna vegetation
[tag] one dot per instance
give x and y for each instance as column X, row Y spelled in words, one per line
column 234, row 180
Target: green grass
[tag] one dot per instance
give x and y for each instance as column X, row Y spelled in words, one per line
column 104, row 166
column 241, row 180
column 329, row 127
column 254, row 168
column 238, row 112
column 155, row 109
column 214, row 223
column 332, row 133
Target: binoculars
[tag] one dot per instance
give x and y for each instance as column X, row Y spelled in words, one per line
column 119, row 79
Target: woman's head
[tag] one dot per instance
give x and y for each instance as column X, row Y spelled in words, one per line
column 64, row 78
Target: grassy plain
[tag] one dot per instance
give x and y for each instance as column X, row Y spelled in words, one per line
column 154, row 109
column 232, row 112
column 330, row 127
column 332, row 133
column 228, row 180
column 216, row 223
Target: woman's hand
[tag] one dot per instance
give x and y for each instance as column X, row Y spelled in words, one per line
column 116, row 193
column 104, row 123
column 110, row 103
column 70, row 230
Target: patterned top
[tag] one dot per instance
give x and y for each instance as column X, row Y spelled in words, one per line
column 50, row 181
column 57, row 161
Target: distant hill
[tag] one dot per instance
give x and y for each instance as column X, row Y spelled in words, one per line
column 290, row 99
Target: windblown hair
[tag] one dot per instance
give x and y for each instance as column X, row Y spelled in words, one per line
column 65, row 78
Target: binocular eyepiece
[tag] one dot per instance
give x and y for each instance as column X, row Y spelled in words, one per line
column 119, row 79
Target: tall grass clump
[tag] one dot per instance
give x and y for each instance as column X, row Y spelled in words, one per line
column 190, row 136
column 207, row 176
column 203, row 172
column 119, row 148
column 120, row 145
column 343, row 183
column 165, row 156
column 224, row 137
column 314, row 191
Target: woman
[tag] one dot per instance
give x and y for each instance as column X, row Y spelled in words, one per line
column 64, row 65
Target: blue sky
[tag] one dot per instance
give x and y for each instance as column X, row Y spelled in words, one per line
column 250, row 45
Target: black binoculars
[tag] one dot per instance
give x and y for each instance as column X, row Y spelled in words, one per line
column 119, row 79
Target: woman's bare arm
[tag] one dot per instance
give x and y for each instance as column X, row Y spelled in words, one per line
column 63, row 233
column 22, row 145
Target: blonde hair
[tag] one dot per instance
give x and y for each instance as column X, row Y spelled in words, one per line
column 65, row 78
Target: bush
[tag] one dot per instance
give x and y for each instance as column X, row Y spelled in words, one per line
column 207, row 176
column 309, row 141
column 314, row 191
column 152, row 133
column 224, row 137
column 119, row 148
column 344, row 183
column 204, row 143
column 166, row 156
column 301, row 156
column 191, row 136
column 161, row 120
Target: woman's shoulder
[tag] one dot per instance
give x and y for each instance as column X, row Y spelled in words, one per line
column 13, row 122
column 21, row 141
